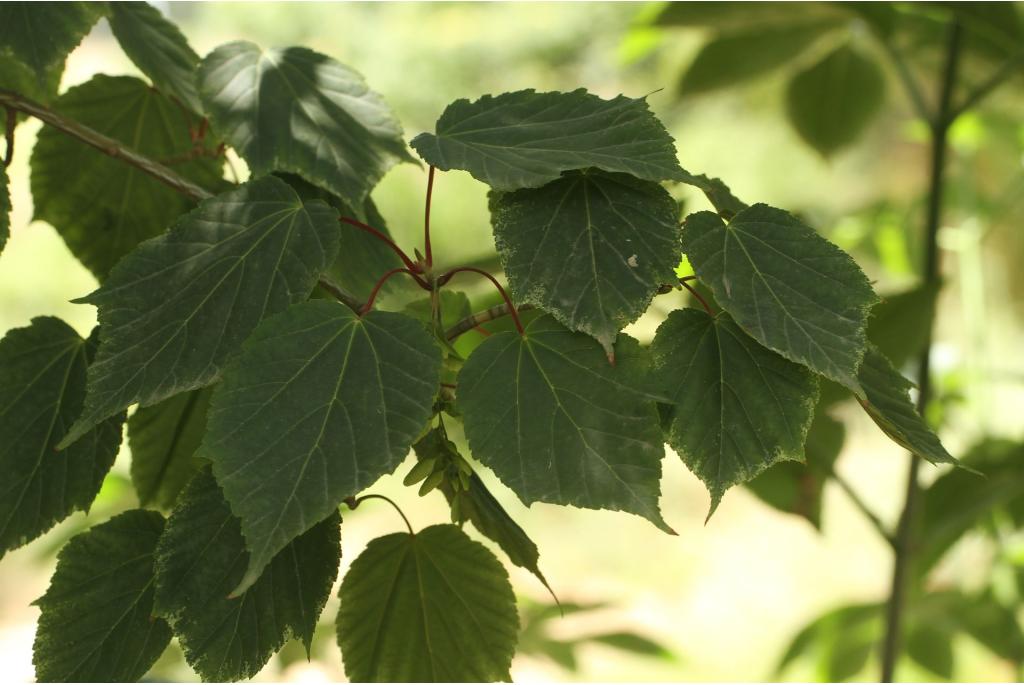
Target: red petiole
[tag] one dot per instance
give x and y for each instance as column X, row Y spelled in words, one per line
column 409, row 264
column 700, row 298
column 383, row 279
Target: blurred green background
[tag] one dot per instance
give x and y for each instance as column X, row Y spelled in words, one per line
column 724, row 599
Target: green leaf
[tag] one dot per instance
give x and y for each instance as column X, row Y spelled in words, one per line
column 526, row 139
column 455, row 306
column 753, row 409
column 42, row 385
column 900, row 324
column 106, row 207
column 319, row 404
column 362, row 258
column 164, row 438
column 930, row 645
column 832, row 102
column 959, row 500
column 632, row 642
column 557, row 423
column 590, row 248
column 5, row 209
column 886, row 399
column 431, row 607
column 797, row 488
column 171, row 312
column 735, row 15
column 20, row 78
column 201, row 557
column 721, row 198
column 841, row 641
column 41, row 35
column 478, row 506
column 732, row 58
column 296, row 110
column 158, row 49
column 785, row 285
column 97, row 622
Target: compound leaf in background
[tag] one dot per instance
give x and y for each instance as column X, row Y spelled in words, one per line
column 900, row 324
column 840, row 642
column 97, row 622
column 557, row 423
column 106, row 207
column 735, row 57
column 431, row 607
column 164, row 438
column 785, row 285
column 318, row 405
column 478, row 506
column 296, row 110
column 590, row 248
column 171, row 311
column 753, row 407
column 831, row 103
column 41, row 35
column 200, row 559
column 158, row 49
column 526, row 139
column 42, row 386
column 886, row 399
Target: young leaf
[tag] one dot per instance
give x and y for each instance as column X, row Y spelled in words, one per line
column 158, row 49
column 97, row 622
column 319, row 404
column 42, row 385
column 5, row 209
column 297, row 110
column 557, row 423
column 738, row 56
column 887, row 401
column 737, row 407
column 201, row 557
column 41, row 35
column 526, row 139
column 478, row 506
column 830, row 103
column 105, row 208
column 172, row 311
column 590, row 248
column 785, row 285
column 164, row 438
column 431, row 607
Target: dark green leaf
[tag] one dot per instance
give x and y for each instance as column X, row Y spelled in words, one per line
column 557, row 423
column 590, row 248
column 430, row 607
column 735, row 57
column 158, row 49
column 797, row 488
column 42, row 385
column 478, row 506
column 296, row 110
column 832, row 102
column 5, row 209
column 886, row 399
column 319, row 404
column 632, row 642
column 900, row 324
column 785, row 285
column 19, row 77
column 97, row 622
column 362, row 258
column 106, row 207
column 200, row 559
column 753, row 409
column 959, row 500
column 172, row 311
column 721, row 198
column 734, row 15
column 930, row 645
column 41, row 34
column 526, row 139
column 164, row 438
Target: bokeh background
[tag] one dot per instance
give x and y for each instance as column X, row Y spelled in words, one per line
column 723, row 600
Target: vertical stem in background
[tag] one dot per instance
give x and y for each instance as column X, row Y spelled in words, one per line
column 930, row 273
column 426, row 219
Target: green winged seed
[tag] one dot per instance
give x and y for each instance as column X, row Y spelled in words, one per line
column 785, row 285
column 431, row 482
column 526, row 139
column 318, row 405
column 419, row 471
column 736, row 407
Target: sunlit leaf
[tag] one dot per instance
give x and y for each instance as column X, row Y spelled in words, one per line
column 41, row 35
